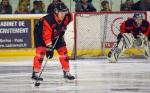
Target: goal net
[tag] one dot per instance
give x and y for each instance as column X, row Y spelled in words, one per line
column 95, row 33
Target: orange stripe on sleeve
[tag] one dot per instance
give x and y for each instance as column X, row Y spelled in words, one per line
column 47, row 32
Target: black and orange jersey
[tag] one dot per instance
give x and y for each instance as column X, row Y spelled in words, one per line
column 130, row 26
column 51, row 28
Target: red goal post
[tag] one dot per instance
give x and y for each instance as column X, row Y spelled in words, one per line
column 95, row 33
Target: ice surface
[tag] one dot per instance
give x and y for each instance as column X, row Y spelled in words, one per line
column 92, row 76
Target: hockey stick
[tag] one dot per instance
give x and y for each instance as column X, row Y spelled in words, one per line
column 37, row 83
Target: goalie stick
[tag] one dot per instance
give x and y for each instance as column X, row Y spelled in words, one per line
column 37, row 83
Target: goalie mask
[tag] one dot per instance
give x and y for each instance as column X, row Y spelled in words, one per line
column 138, row 17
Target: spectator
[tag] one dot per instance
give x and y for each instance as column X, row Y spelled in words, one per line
column 25, row 2
column 5, row 7
column 145, row 5
column 105, row 6
column 22, row 9
column 80, row 0
column 38, row 7
column 142, row 5
column 136, row 6
column 52, row 5
column 127, row 5
column 84, row 6
column 90, row 1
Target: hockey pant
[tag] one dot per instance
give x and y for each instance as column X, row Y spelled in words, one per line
column 127, row 40
column 40, row 53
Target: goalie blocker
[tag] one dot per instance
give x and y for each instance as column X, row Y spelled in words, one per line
column 134, row 32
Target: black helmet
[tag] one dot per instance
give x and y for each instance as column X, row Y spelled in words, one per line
column 60, row 7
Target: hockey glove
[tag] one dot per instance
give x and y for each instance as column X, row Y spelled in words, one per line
column 49, row 51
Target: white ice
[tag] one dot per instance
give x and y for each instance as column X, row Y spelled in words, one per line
column 92, row 76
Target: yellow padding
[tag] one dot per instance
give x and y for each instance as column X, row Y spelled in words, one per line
column 17, row 52
column 129, row 52
column 95, row 52
column 92, row 53
column 22, row 52
column 98, row 52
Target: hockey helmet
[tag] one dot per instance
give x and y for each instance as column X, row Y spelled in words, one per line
column 138, row 15
column 60, row 7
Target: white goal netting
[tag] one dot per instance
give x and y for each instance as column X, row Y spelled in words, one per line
column 96, row 33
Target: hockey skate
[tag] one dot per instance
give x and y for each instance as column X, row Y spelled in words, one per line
column 111, row 58
column 67, row 75
column 35, row 76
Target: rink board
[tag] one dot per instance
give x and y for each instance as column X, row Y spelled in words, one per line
column 69, row 37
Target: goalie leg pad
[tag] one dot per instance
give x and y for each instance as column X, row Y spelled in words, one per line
column 147, row 48
column 143, row 42
column 125, row 40
column 140, row 40
column 128, row 39
column 113, row 56
column 116, row 51
column 138, row 43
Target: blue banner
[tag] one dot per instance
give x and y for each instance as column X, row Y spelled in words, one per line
column 15, row 33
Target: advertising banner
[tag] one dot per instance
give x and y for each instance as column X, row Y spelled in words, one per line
column 15, row 33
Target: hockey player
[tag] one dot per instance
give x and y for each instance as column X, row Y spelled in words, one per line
column 51, row 27
column 134, row 32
